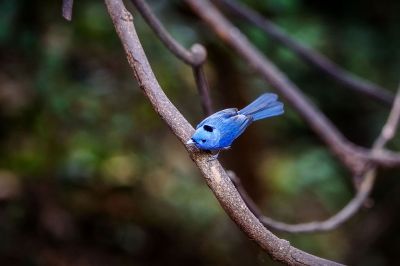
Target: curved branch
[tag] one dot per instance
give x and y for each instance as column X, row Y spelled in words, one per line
column 194, row 57
column 214, row 174
column 314, row 58
column 336, row 220
column 364, row 189
column 354, row 157
column 318, row 226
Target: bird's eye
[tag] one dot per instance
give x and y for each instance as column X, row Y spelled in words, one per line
column 208, row 128
column 203, row 140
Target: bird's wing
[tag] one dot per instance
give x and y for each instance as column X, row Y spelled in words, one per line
column 232, row 128
column 218, row 116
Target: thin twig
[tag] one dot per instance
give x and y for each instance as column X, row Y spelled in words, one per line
column 203, row 88
column 67, row 6
column 352, row 156
column 392, row 123
column 309, row 55
column 215, row 176
column 195, row 57
column 365, row 188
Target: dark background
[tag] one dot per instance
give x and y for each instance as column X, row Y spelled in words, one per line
column 90, row 175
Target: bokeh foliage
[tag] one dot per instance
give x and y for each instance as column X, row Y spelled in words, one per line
column 89, row 175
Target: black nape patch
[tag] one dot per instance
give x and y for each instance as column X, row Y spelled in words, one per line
column 208, row 128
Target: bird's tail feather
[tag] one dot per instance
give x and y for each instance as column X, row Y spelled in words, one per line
column 266, row 105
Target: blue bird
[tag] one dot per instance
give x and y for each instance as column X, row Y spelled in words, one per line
column 219, row 130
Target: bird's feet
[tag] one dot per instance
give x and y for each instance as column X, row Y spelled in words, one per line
column 213, row 157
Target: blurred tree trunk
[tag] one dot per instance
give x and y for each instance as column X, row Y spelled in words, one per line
column 242, row 157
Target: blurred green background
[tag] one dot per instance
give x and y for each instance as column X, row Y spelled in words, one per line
column 90, row 175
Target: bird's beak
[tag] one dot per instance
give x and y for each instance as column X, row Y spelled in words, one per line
column 190, row 142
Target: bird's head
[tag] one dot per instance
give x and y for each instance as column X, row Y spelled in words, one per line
column 206, row 138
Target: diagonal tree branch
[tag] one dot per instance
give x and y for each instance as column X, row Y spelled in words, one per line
column 215, row 176
column 353, row 157
column 195, row 57
column 309, row 55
